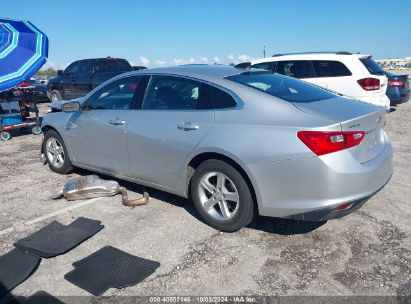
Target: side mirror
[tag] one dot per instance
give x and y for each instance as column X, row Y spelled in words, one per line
column 71, row 107
column 59, row 72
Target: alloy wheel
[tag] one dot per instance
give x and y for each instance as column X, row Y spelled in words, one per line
column 218, row 196
column 55, row 152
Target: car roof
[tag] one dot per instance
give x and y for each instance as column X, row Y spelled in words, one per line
column 201, row 71
column 310, row 55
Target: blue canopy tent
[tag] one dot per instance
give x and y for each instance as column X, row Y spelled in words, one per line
column 23, row 51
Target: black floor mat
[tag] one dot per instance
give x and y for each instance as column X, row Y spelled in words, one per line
column 15, row 267
column 110, row 267
column 56, row 239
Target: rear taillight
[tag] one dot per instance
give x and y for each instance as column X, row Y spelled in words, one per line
column 343, row 207
column 396, row 83
column 24, row 84
column 328, row 142
column 369, row 84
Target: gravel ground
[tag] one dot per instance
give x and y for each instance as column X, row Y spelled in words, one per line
column 366, row 253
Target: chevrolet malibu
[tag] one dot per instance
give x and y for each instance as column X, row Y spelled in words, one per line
column 236, row 142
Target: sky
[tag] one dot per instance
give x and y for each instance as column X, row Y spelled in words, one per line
column 160, row 32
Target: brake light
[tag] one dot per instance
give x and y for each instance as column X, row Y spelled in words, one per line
column 369, row 84
column 328, row 142
column 396, row 83
column 24, row 84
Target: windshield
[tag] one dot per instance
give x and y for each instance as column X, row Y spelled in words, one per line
column 287, row 88
column 372, row 66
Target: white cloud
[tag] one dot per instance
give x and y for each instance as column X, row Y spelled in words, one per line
column 239, row 58
column 144, row 61
column 216, row 59
column 203, row 59
column 244, row 57
column 180, row 61
column 160, row 62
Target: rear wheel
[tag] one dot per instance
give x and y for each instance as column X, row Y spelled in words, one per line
column 36, row 130
column 5, row 136
column 222, row 196
column 56, row 153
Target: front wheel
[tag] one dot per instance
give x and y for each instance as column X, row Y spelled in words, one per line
column 55, row 96
column 222, row 196
column 56, row 153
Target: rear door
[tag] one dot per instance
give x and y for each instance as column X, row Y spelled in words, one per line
column 106, row 68
column 97, row 134
column 334, row 75
column 300, row 69
column 175, row 116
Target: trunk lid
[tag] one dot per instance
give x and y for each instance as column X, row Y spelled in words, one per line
column 353, row 115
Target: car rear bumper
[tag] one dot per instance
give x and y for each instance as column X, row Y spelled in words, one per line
column 399, row 97
column 311, row 189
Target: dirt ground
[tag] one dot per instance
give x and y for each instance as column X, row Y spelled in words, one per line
column 366, row 253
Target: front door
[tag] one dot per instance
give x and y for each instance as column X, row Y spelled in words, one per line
column 97, row 134
column 176, row 115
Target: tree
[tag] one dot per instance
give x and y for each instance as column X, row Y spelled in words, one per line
column 48, row 73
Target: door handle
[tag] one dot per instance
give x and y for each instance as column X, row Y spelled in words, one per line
column 116, row 122
column 187, row 126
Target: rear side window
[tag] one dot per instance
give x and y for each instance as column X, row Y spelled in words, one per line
column 286, row 88
column 174, row 93
column 264, row 66
column 330, row 68
column 372, row 66
column 221, row 99
column 296, row 68
column 112, row 65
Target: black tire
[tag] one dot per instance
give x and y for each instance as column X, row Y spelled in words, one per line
column 55, row 96
column 245, row 212
column 5, row 136
column 66, row 166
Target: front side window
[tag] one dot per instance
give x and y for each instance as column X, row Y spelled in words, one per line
column 330, row 68
column 286, row 88
column 73, row 68
column 296, row 68
column 117, row 95
column 174, row 93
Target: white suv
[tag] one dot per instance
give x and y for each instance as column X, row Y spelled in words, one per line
column 353, row 75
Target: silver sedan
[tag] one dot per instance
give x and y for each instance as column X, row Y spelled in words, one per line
column 236, row 142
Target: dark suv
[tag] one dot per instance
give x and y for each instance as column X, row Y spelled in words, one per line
column 82, row 76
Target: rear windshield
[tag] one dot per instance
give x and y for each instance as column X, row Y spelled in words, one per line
column 283, row 87
column 372, row 66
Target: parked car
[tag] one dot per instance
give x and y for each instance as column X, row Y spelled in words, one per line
column 81, row 76
column 39, row 91
column 342, row 72
column 398, row 88
column 235, row 142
